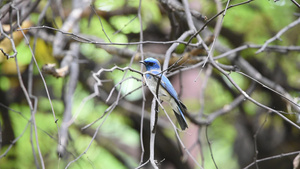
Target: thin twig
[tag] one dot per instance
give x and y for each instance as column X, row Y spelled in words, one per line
column 14, row 141
column 174, row 127
column 48, row 95
column 296, row 3
column 202, row 89
column 191, row 24
column 284, row 95
column 103, row 30
column 227, row 108
column 210, row 149
column 83, row 39
column 141, row 49
column 152, row 134
column 93, row 138
column 272, row 158
column 250, row 98
column 280, row 49
column 112, row 106
column 277, row 36
column 211, row 19
column 11, row 42
column 173, row 47
column 33, row 107
column 255, row 139
column 218, row 28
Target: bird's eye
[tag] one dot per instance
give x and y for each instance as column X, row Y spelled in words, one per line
column 151, row 64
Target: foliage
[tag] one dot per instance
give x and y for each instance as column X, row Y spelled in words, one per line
column 72, row 93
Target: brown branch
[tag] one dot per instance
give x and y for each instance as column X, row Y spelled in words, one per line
column 56, row 72
column 177, row 7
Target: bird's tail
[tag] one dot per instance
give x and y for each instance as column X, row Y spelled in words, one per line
column 180, row 115
column 181, row 120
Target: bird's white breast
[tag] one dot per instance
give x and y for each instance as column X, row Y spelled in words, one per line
column 162, row 93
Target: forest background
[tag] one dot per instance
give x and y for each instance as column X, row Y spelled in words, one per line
column 72, row 91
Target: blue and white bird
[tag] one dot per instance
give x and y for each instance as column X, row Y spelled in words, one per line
column 166, row 90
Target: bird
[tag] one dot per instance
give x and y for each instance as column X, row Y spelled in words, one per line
column 166, row 90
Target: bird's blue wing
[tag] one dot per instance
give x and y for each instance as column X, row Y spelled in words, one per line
column 179, row 111
column 166, row 84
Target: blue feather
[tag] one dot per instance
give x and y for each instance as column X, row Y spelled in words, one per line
column 167, row 93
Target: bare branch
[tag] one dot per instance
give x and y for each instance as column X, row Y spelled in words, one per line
column 214, row 17
column 277, row 36
column 152, row 133
column 296, row 3
column 249, row 98
column 272, row 157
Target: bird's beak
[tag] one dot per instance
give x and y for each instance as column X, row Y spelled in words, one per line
column 142, row 62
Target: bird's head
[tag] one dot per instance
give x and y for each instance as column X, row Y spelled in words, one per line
column 151, row 64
